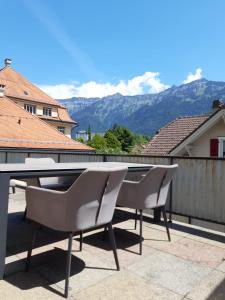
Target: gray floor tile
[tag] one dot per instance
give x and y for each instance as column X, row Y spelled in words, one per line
column 171, row 272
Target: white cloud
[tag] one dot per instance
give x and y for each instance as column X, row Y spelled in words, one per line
column 149, row 82
column 191, row 77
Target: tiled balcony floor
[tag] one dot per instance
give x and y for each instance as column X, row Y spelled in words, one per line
column 192, row 266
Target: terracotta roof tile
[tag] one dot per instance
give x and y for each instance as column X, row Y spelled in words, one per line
column 172, row 134
column 63, row 115
column 21, row 129
column 19, row 87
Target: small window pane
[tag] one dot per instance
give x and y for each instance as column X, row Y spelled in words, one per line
column 61, row 129
column 223, row 148
column 30, row 108
column 47, row 111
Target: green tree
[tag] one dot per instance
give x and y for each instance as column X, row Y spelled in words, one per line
column 89, row 132
column 124, row 136
column 112, row 141
column 81, row 140
column 98, row 143
column 141, row 139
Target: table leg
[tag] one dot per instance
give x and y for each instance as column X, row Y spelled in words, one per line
column 4, row 198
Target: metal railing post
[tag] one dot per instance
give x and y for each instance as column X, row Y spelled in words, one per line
column 171, row 196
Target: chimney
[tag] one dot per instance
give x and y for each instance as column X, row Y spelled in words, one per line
column 8, row 62
column 2, row 90
column 217, row 104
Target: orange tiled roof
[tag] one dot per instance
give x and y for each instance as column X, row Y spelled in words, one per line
column 20, row 129
column 19, row 87
column 173, row 134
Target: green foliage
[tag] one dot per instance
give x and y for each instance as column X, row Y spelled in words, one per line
column 112, row 141
column 89, row 132
column 99, row 143
column 81, row 140
column 124, row 136
column 118, row 140
column 141, row 139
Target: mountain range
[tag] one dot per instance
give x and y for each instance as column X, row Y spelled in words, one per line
column 145, row 114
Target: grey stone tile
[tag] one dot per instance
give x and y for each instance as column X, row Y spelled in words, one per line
column 126, row 286
column 195, row 251
column 26, row 286
column 86, row 270
column 171, row 272
column 221, row 267
column 212, row 287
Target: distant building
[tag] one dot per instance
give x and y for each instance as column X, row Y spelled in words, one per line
column 34, row 100
column 84, row 134
column 24, row 123
column 195, row 136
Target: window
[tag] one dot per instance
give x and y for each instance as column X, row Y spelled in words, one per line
column 30, row 108
column 221, row 147
column 47, row 111
column 61, row 129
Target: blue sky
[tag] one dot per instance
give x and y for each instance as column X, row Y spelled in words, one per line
column 98, row 47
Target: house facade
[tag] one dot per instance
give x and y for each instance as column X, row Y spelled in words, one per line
column 35, row 101
column 194, row 136
column 32, row 121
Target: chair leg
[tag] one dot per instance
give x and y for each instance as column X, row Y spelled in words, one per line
column 68, row 264
column 81, row 240
column 25, row 214
column 29, row 252
column 136, row 215
column 113, row 244
column 105, row 233
column 141, row 238
column 13, row 189
column 166, row 223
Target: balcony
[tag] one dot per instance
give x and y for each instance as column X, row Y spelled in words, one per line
column 191, row 266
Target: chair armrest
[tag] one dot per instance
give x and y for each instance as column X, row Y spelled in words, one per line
column 47, row 207
column 129, row 182
column 36, row 189
column 18, row 183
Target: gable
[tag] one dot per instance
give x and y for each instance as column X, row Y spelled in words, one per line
column 198, row 132
column 172, row 134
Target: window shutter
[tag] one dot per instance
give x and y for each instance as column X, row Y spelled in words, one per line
column 214, row 146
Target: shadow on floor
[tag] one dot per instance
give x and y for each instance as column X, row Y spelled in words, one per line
column 218, row 293
column 19, row 232
column 124, row 240
column 55, row 261
column 198, row 232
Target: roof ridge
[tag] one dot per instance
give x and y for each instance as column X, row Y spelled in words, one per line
column 29, row 83
column 194, row 116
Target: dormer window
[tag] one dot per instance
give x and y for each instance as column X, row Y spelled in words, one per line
column 30, row 108
column 61, row 129
column 47, row 111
